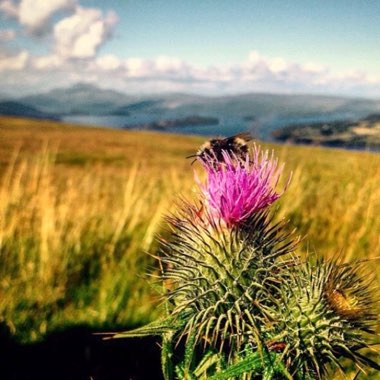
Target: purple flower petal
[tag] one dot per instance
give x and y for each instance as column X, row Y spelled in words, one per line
column 234, row 190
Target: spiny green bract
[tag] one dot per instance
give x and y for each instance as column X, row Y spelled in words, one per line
column 325, row 313
column 220, row 278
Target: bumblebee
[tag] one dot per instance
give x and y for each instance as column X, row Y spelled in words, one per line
column 236, row 145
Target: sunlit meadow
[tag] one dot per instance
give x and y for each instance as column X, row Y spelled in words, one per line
column 80, row 209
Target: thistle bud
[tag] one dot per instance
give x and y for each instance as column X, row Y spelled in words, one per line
column 327, row 311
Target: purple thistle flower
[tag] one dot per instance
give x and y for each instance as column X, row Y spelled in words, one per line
column 237, row 188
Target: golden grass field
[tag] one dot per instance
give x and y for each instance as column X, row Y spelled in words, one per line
column 80, row 208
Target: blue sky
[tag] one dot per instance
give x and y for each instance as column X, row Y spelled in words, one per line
column 210, row 47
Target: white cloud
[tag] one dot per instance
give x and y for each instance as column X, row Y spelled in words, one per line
column 107, row 62
column 138, row 68
column 163, row 73
column 161, row 68
column 7, row 34
column 278, row 65
column 35, row 14
column 80, row 35
column 170, row 65
column 14, row 62
column 259, row 67
column 315, row 67
column 9, row 8
column 47, row 62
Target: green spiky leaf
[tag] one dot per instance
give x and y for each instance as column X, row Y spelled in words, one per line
column 159, row 327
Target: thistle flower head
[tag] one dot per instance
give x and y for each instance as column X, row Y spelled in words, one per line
column 237, row 188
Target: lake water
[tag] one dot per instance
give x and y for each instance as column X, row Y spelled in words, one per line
column 228, row 125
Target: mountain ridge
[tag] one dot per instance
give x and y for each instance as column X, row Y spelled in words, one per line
column 260, row 108
column 90, row 99
column 14, row 108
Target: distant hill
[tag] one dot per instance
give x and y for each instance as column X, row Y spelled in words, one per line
column 88, row 99
column 262, row 111
column 136, row 107
column 82, row 99
column 266, row 104
column 4, row 96
column 362, row 133
column 12, row 108
column 162, row 125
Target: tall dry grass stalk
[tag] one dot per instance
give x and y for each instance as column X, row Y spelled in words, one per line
column 74, row 249
column 334, row 200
